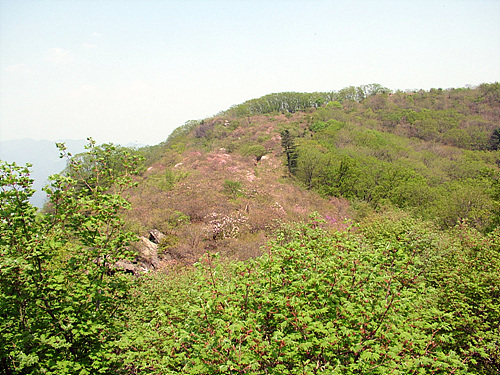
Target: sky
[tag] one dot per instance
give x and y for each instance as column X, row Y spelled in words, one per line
column 131, row 71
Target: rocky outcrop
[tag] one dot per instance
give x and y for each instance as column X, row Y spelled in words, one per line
column 146, row 258
column 155, row 236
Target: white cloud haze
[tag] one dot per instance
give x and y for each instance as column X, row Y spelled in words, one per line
column 89, row 45
column 134, row 71
column 23, row 69
column 58, row 56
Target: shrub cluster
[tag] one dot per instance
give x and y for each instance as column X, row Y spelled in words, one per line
column 370, row 300
column 59, row 289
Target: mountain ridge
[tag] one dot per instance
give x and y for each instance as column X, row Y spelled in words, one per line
column 347, row 157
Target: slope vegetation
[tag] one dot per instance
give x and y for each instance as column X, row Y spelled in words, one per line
column 223, row 183
column 350, row 232
column 220, row 185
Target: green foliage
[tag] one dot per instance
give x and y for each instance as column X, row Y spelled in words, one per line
column 401, row 292
column 317, row 126
column 100, row 165
column 59, row 291
column 463, row 267
column 172, row 177
column 334, row 104
column 310, row 161
column 465, row 199
column 288, row 144
column 319, row 302
column 167, row 242
column 339, row 178
column 257, row 151
column 466, row 275
column 495, row 139
column 168, row 179
column 180, row 134
column 380, row 168
column 233, row 188
column 291, row 102
column 490, row 92
column 178, row 218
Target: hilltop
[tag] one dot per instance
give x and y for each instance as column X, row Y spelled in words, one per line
column 225, row 182
column 208, row 191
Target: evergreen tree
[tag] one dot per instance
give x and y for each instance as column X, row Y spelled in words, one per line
column 495, row 140
column 288, row 144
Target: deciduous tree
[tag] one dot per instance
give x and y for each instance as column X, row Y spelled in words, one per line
column 59, row 292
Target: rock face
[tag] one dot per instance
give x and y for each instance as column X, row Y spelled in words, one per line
column 147, row 255
column 155, row 236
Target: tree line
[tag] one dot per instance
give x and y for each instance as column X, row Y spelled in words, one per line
column 291, row 102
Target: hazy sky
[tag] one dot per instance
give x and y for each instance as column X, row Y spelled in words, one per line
column 133, row 70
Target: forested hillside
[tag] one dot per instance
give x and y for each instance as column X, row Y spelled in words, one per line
column 349, row 232
column 434, row 154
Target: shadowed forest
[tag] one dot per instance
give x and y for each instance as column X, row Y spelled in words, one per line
column 345, row 232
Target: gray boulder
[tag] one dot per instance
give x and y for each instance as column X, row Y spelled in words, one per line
column 146, row 258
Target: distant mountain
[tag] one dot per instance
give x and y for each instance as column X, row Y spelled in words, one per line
column 44, row 156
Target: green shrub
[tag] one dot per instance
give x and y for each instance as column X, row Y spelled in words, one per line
column 233, row 188
column 167, row 242
column 59, row 290
column 317, row 302
column 257, row 151
column 317, row 126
